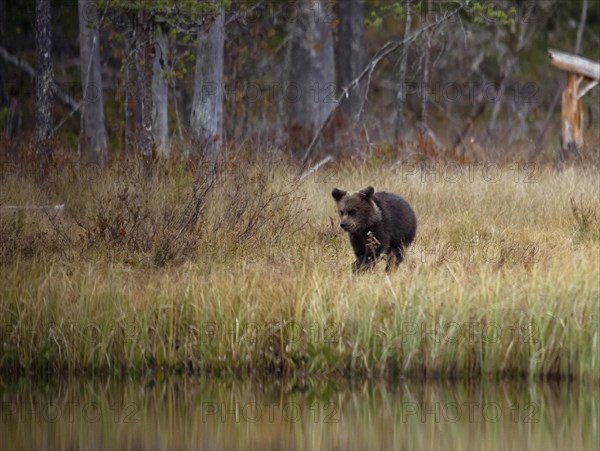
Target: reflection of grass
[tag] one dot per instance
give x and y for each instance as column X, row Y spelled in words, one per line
column 497, row 282
column 198, row 413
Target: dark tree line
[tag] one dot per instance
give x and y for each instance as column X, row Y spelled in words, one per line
column 156, row 77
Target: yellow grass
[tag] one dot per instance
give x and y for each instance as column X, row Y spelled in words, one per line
column 503, row 279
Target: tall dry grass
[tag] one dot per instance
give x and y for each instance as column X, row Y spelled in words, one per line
column 251, row 274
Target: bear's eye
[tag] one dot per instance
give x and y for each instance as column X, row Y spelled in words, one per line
column 352, row 211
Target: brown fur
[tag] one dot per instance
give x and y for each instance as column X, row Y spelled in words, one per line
column 377, row 223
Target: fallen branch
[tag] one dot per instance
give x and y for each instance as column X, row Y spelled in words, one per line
column 317, row 166
column 25, row 67
column 576, row 64
column 384, row 51
column 56, row 208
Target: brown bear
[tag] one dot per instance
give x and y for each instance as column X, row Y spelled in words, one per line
column 377, row 223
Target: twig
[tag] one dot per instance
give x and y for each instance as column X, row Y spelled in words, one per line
column 368, row 140
column 388, row 48
column 177, row 119
column 243, row 14
column 539, row 141
column 317, row 166
column 584, row 9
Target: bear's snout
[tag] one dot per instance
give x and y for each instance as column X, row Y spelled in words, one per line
column 343, row 225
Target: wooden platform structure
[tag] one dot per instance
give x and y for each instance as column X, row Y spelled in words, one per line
column 579, row 70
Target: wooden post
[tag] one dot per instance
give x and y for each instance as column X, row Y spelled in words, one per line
column 578, row 69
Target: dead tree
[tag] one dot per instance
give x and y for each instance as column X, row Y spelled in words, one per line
column 578, row 70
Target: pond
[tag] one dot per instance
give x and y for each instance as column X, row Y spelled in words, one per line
column 199, row 413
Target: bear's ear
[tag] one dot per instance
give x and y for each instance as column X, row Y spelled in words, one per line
column 367, row 192
column 338, row 194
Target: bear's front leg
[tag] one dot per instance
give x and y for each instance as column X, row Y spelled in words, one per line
column 395, row 257
column 363, row 262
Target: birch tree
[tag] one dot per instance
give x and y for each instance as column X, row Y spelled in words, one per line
column 426, row 69
column 44, row 79
column 401, row 125
column 145, row 56
column 160, row 99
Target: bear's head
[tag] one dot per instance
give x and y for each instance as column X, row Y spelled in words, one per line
column 357, row 210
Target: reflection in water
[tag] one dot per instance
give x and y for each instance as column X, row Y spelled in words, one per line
column 191, row 413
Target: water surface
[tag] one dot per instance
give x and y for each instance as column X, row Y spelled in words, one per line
column 195, row 413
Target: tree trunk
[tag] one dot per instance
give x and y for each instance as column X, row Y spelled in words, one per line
column 144, row 79
column 44, row 80
column 349, row 51
column 91, row 81
column 3, row 19
column 207, row 106
column 425, row 80
column 160, row 118
column 400, row 131
column 4, row 96
column 310, row 92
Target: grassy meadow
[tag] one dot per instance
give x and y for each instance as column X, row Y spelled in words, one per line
column 248, row 273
